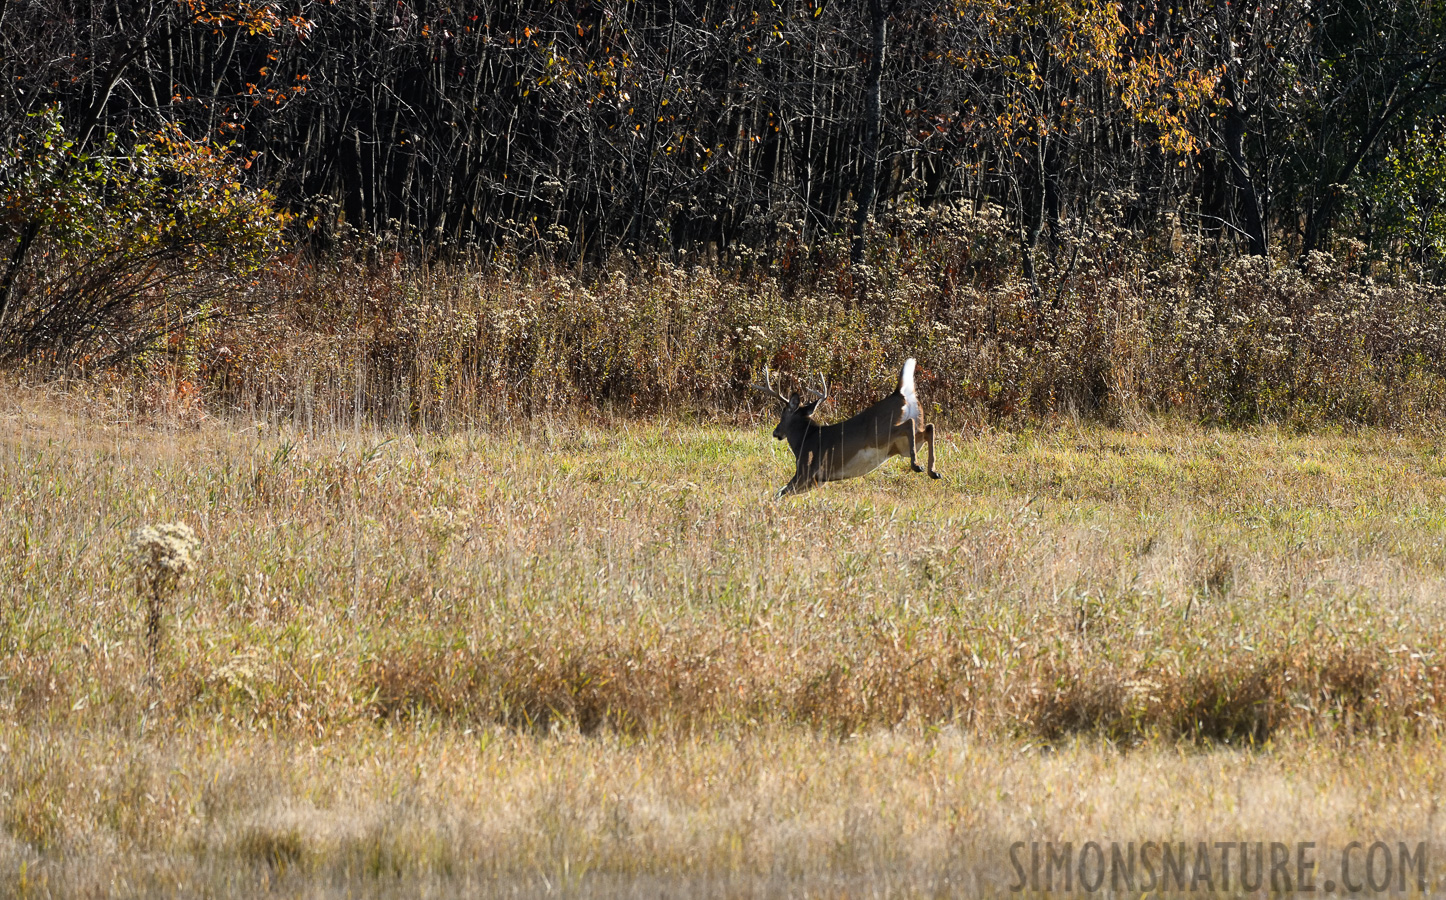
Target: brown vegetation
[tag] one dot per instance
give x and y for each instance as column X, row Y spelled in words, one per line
column 633, row 578
column 595, row 653
column 1119, row 330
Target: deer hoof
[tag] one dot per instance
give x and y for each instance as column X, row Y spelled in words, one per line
column 917, row 467
column 935, row 475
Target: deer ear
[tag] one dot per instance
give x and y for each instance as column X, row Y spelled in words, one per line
column 808, row 408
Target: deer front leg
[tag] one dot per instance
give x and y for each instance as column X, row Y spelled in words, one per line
column 805, row 476
column 793, row 487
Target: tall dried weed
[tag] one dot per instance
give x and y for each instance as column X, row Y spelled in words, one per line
column 1116, row 327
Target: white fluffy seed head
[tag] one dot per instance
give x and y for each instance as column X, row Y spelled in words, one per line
column 164, row 550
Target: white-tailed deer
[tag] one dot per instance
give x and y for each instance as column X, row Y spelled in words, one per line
column 857, row 446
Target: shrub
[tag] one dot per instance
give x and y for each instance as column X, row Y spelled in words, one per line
column 109, row 248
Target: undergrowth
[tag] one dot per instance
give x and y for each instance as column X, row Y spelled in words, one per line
column 1115, row 326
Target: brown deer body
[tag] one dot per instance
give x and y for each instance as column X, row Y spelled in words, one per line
column 891, row 427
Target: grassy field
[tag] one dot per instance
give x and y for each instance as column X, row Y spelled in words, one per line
column 593, row 657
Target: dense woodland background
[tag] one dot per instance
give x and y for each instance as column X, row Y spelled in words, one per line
column 691, row 124
column 172, row 148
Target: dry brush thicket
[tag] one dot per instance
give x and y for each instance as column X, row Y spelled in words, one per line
column 1115, row 329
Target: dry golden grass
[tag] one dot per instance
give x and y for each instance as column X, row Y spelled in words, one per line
column 596, row 657
column 770, row 812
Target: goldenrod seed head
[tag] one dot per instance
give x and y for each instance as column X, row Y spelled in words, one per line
column 165, row 548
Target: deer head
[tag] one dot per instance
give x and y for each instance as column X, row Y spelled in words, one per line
column 793, row 413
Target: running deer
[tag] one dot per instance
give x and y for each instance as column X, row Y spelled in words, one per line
column 891, row 427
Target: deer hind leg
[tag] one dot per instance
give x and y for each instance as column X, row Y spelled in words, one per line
column 914, row 447
column 929, row 436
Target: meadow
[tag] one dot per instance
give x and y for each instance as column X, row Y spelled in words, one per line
column 587, row 655
column 434, row 332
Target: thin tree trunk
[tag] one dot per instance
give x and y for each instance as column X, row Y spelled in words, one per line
column 12, row 267
column 640, row 199
column 873, row 113
column 1249, row 198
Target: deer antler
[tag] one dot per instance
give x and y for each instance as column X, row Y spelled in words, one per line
column 822, row 393
column 768, row 380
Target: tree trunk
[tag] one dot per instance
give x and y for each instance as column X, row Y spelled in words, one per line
column 1249, row 198
column 873, row 113
column 1248, row 205
column 12, row 268
column 640, row 198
